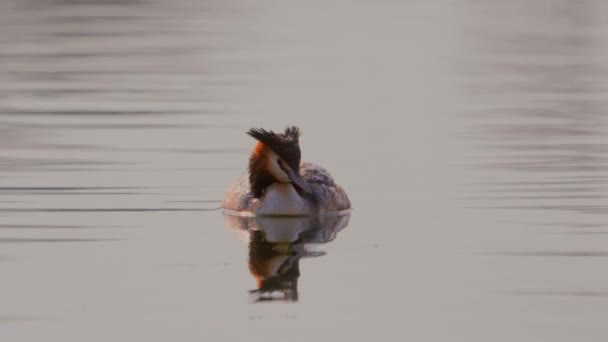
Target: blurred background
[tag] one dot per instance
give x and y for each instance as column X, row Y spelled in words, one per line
column 471, row 137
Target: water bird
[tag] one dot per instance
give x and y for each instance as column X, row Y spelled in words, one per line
column 278, row 184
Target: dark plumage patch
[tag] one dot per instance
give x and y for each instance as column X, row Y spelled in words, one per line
column 286, row 145
column 270, row 138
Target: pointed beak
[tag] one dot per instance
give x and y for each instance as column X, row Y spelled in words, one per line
column 299, row 182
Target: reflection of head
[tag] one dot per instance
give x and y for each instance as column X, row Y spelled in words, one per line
column 276, row 266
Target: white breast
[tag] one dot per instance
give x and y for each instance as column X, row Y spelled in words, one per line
column 282, row 199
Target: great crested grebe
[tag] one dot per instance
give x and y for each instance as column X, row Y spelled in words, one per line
column 277, row 184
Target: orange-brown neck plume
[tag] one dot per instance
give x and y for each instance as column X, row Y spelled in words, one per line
column 259, row 176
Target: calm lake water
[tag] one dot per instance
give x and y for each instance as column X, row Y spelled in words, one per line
column 471, row 136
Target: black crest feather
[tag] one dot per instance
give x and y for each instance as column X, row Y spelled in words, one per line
column 290, row 136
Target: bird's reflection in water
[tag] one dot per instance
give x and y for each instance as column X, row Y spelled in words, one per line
column 276, row 246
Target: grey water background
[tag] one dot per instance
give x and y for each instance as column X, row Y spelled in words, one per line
column 470, row 135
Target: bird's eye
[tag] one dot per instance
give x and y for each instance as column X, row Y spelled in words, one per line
column 281, row 165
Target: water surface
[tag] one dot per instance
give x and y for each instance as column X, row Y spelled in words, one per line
column 471, row 137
